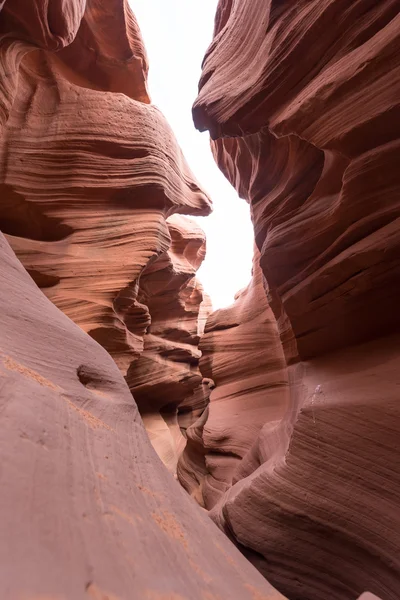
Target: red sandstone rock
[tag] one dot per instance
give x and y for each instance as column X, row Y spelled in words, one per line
column 302, row 102
column 334, row 265
column 242, row 355
column 166, row 378
column 329, row 504
column 87, row 508
column 90, row 172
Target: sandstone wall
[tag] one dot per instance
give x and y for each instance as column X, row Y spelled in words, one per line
column 88, row 511
column 242, row 355
column 292, row 437
column 165, row 380
column 90, row 176
column 90, row 173
column 302, row 103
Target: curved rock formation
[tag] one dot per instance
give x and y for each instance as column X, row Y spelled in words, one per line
column 242, row 355
column 89, row 174
column 302, row 102
column 166, row 378
column 87, row 508
column 90, row 171
column 329, row 136
column 299, row 462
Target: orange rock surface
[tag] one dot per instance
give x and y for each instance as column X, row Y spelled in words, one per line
column 87, row 508
column 242, row 356
column 90, row 173
column 165, row 380
column 302, row 103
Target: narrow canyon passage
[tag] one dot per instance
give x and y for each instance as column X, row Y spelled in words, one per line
column 151, row 446
column 176, row 34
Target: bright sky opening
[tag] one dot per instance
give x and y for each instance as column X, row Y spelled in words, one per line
column 176, row 34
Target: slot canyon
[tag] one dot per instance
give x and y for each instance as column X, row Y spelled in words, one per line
column 154, row 448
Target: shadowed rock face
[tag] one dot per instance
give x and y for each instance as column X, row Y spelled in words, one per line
column 318, row 141
column 87, row 508
column 90, row 171
column 302, row 103
column 242, row 355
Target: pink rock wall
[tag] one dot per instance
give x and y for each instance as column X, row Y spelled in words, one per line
column 302, row 104
column 87, row 508
column 292, row 437
column 242, row 355
column 165, row 380
column 90, row 172
column 334, row 126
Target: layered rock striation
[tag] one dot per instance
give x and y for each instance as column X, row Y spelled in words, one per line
column 243, row 357
column 87, row 508
column 90, row 176
column 291, row 416
column 90, row 173
column 302, row 104
column 165, row 380
column 328, row 128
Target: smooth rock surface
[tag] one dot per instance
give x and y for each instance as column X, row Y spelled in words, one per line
column 329, row 502
column 87, row 508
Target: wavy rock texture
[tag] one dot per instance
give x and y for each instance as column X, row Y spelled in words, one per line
column 302, row 102
column 242, row 355
column 322, row 517
column 329, row 135
column 87, row 508
column 90, row 171
column 165, row 378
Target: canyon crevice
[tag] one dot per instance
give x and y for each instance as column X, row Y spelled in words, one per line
column 91, row 181
column 278, row 414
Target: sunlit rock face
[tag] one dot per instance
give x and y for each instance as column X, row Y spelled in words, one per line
column 165, row 380
column 88, row 511
column 90, row 178
column 302, row 103
column 90, row 173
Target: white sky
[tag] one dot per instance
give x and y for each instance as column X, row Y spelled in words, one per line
column 177, row 34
